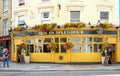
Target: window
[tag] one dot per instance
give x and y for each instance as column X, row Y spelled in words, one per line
column 47, row 41
column 46, row 18
column 5, row 5
column 45, row 0
column 77, row 45
column 21, row 2
column 75, row 16
column 98, row 39
column 104, row 16
column 30, row 45
column 21, row 20
column 38, row 45
column 5, row 27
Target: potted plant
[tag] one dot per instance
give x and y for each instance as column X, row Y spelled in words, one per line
column 103, row 54
column 27, row 56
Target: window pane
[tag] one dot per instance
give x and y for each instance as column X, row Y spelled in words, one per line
column 30, row 48
column 89, row 47
column 75, row 39
column 84, row 47
column 76, row 48
column 5, row 24
column 5, row 5
column 63, row 39
column 104, row 15
column 98, row 39
column 75, row 16
column 56, row 40
column 87, row 39
column 63, row 50
column 45, row 0
column 21, row 2
column 57, row 49
column 47, row 40
column 46, row 49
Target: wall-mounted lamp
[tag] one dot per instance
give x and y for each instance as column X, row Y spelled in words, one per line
column 59, row 6
column 98, row 22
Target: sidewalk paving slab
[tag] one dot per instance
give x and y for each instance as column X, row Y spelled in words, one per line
column 57, row 67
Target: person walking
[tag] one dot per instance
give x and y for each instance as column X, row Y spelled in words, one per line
column 5, row 57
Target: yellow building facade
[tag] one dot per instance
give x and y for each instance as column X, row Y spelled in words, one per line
column 87, row 43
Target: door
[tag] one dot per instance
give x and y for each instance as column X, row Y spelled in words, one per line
column 61, row 54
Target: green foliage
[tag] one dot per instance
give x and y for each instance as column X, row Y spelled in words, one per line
column 103, row 53
column 27, row 53
column 69, row 45
column 106, row 25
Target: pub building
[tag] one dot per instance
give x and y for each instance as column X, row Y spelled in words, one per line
column 4, row 43
column 87, row 41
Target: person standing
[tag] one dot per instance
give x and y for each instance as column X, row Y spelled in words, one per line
column 5, row 57
column 110, row 54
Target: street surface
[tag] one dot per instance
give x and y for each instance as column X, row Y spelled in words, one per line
column 62, row 73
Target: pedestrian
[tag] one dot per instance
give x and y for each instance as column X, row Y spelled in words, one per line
column 110, row 54
column 5, row 57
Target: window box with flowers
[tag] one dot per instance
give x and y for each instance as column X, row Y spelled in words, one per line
column 44, row 27
column 19, row 28
column 106, row 25
column 75, row 25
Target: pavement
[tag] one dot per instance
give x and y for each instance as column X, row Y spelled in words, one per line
column 57, row 67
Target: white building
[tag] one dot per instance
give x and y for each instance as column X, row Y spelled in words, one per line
column 33, row 12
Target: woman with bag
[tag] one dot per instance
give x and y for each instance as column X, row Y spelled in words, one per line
column 5, row 57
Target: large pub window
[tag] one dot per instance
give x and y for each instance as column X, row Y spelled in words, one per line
column 38, row 45
column 86, row 44
column 57, row 43
column 97, row 44
column 77, row 44
column 47, row 41
column 30, row 45
column 62, row 43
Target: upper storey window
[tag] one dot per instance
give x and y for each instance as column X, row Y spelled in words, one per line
column 104, row 16
column 46, row 17
column 45, row 0
column 5, row 5
column 75, row 16
column 21, row 2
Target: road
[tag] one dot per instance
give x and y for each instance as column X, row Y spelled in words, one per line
column 62, row 73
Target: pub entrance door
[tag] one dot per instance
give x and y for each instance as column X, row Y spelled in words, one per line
column 61, row 54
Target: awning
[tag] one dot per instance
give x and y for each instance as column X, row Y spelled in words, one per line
column 4, row 38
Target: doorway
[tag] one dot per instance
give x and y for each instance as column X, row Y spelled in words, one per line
column 61, row 54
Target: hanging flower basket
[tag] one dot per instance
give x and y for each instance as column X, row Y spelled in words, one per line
column 68, row 45
column 52, row 46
